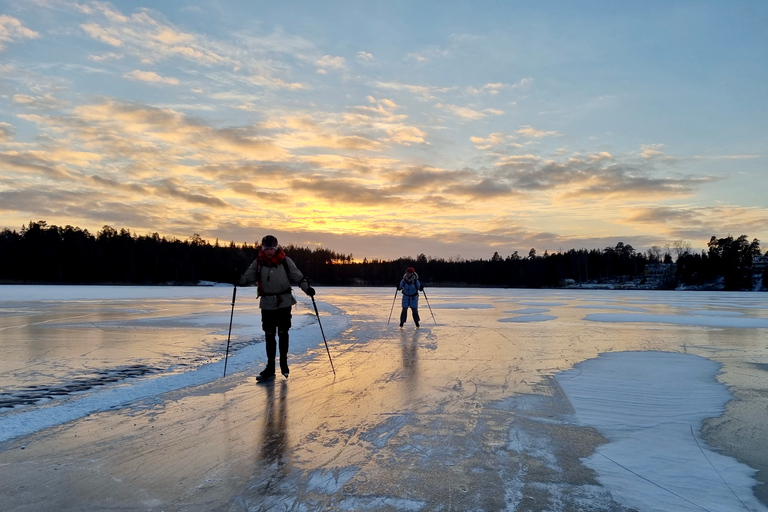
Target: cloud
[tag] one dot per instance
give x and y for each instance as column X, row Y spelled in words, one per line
column 106, row 57
column 496, row 87
column 365, row 56
column 406, row 135
column 428, row 54
column 697, row 222
column 427, row 179
column 173, row 188
column 498, row 138
column 345, row 191
column 12, row 30
column 486, row 188
column 101, row 34
column 493, row 140
column 7, row 131
column 469, row 113
column 362, row 165
column 150, row 76
column 532, row 133
column 328, row 62
column 148, row 38
column 306, row 132
column 383, row 111
column 274, row 82
column 596, row 177
column 118, row 185
column 424, row 92
column 53, row 162
column 650, row 151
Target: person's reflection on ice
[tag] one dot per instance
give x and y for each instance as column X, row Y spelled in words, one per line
column 410, row 348
column 274, row 435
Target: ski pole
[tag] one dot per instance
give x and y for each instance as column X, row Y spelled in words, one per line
column 430, row 307
column 232, row 314
column 393, row 307
column 321, row 331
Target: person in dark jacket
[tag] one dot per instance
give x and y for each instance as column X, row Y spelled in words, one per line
column 410, row 286
column 273, row 273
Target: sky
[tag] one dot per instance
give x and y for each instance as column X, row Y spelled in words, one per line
column 389, row 129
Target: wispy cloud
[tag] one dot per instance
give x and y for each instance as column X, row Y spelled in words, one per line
column 12, row 30
column 469, row 113
column 151, row 76
column 692, row 222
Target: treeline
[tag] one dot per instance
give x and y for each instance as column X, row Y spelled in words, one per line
column 40, row 253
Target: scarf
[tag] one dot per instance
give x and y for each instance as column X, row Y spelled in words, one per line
column 412, row 279
column 274, row 260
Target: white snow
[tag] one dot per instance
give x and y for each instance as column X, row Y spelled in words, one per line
column 650, row 405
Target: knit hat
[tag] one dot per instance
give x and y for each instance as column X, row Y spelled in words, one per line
column 410, row 269
column 269, row 241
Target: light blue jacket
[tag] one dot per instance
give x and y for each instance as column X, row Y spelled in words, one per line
column 410, row 293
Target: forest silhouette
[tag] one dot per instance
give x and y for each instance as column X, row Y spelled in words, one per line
column 42, row 253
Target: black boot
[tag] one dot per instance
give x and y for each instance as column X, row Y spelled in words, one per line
column 269, row 372
column 283, row 337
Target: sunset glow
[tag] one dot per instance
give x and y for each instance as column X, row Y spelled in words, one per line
column 388, row 129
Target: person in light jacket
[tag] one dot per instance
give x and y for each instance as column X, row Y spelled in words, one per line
column 410, row 286
column 273, row 273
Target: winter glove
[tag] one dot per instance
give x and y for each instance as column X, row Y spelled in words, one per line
column 242, row 281
column 310, row 291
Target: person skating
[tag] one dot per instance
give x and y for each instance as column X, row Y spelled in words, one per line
column 410, row 286
column 273, row 273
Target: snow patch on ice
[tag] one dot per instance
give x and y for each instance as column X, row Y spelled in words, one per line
column 651, row 406
column 527, row 311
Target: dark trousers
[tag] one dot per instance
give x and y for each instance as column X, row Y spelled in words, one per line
column 414, row 312
column 276, row 321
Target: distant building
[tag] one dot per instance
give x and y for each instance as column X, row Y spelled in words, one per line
column 760, row 263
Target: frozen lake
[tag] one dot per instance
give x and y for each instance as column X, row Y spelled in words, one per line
column 506, row 400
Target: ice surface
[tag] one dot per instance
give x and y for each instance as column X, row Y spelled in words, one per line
column 528, row 311
column 701, row 320
column 305, row 333
column 470, row 412
column 529, row 318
